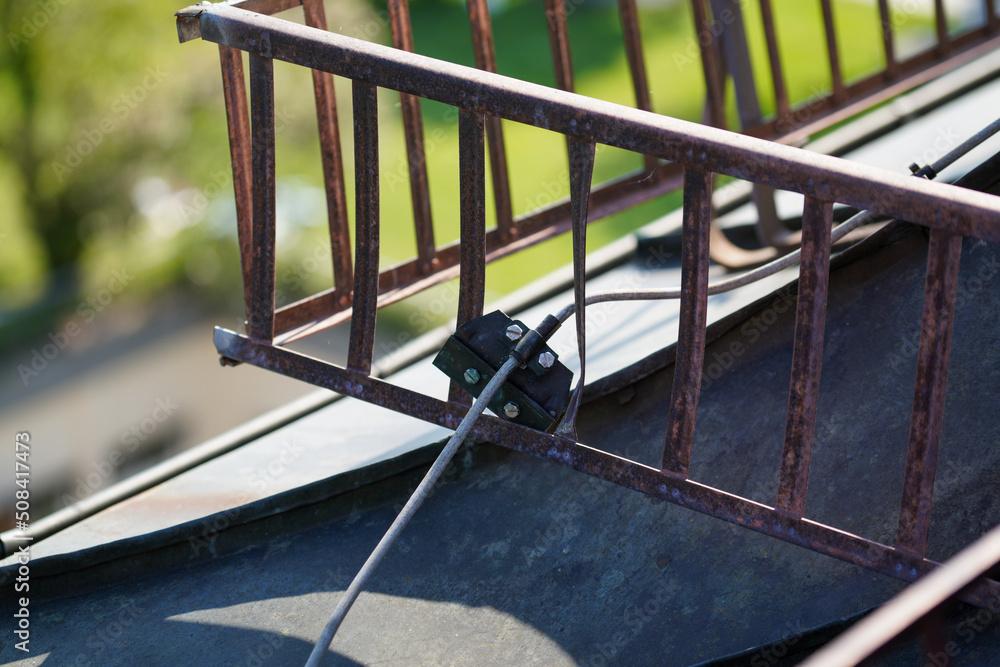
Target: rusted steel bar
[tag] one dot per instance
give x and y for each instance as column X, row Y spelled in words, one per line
column 366, row 273
column 581, row 173
column 629, row 474
column 807, row 355
column 238, row 122
column 710, row 64
column 735, row 49
column 472, row 279
column 413, row 130
column 636, row 63
column 333, row 167
column 471, row 160
column 941, row 27
column 943, row 257
column 486, row 60
column 833, row 52
column 693, row 316
column 774, row 56
column 633, row 51
column 703, row 148
column 562, row 58
column 891, row 66
column 189, row 28
column 260, row 309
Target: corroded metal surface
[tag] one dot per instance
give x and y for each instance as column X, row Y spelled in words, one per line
column 482, row 98
column 512, row 561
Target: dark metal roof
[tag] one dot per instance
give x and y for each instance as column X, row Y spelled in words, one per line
column 514, row 560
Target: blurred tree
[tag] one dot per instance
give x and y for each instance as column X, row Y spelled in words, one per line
column 96, row 100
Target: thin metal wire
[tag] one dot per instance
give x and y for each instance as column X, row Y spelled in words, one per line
column 418, row 497
column 792, row 258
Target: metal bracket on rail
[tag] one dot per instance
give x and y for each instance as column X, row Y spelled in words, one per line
column 536, row 393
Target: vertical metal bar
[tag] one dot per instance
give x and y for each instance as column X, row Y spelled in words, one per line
column 807, row 355
column 562, row 58
column 366, row 273
column 944, row 254
column 485, row 54
column 333, row 166
column 581, row 174
column 636, row 63
column 472, row 278
column 833, row 52
column 238, row 122
column 714, row 90
column 774, row 56
column 693, row 313
column 891, row 66
column 260, row 311
column 736, row 51
column 941, row 24
column 991, row 15
column 413, row 128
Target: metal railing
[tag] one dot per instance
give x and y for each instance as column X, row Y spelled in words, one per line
column 795, row 120
column 697, row 152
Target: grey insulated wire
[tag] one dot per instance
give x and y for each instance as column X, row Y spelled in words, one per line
column 792, row 258
column 418, row 497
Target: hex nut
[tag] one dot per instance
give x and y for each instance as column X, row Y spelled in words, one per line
column 511, row 410
column 471, row 375
column 514, row 332
column 546, row 359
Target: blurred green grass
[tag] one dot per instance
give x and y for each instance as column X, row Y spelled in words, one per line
column 154, row 194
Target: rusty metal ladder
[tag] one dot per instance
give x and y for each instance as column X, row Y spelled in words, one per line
column 679, row 150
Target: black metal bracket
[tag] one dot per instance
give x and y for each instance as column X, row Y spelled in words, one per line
column 535, row 395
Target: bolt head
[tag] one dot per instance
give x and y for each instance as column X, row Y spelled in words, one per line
column 514, row 332
column 511, row 410
column 471, row 375
column 546, row 359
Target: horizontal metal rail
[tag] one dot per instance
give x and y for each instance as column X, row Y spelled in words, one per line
column 673, row 488
column 690, row 144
